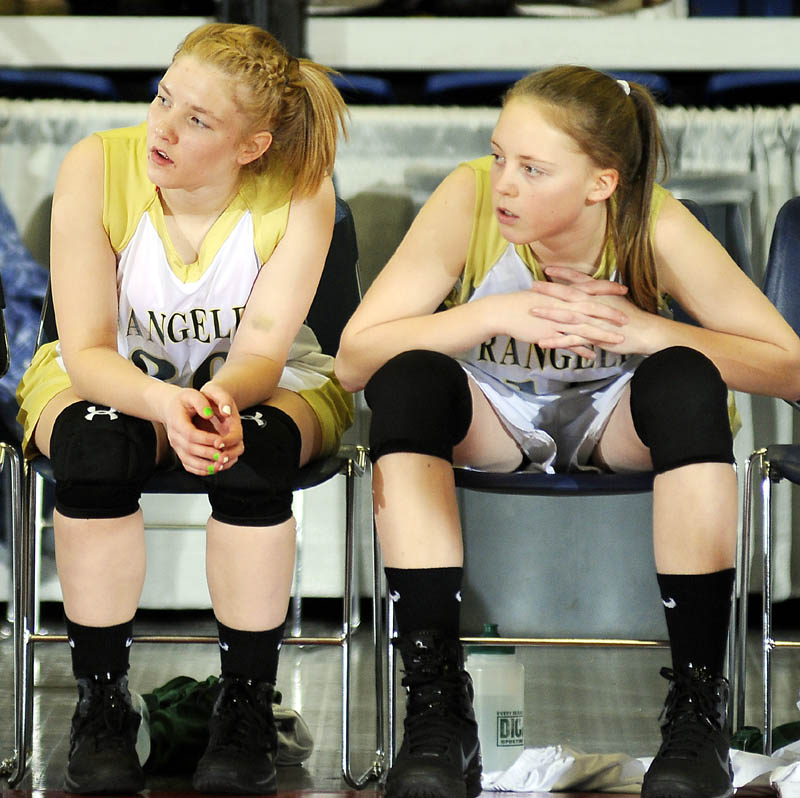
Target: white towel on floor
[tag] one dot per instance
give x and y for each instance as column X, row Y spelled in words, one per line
column 561, row 768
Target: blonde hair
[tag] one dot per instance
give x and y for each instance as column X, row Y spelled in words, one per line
column 617, row 129
column 293, row 98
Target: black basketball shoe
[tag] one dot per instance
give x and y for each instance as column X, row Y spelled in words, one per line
column 440, row 755
column 243, row 742
column 693, row 760
column 102, row 741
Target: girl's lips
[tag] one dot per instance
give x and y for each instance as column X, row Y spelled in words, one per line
column 506, row 216
column 159, row 157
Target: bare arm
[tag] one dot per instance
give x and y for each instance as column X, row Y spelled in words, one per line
column 749, row 341
column 398, row 312
column 279, row 303
column 754, row 348
column 83, row 275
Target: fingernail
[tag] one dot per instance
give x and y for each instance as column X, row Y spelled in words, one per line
column 226, row 460
column 216, row 455
column 208, row 412
column 226, row 409
column 211, row 469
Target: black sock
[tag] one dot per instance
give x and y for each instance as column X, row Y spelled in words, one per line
column 250, row 655
column 698, row 609
column 99, row 649
column 426, row 599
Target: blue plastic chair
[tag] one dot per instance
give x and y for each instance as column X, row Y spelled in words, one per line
column 487, row 87
column 765, row 87
column 741, row 8
column 354, row 87
column 364, row 89
column 52, row 83
column 776, row 462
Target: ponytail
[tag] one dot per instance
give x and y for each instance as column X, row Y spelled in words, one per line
column 630, row 216
column 307, row 130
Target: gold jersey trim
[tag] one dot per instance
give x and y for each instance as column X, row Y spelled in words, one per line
column 129, row 194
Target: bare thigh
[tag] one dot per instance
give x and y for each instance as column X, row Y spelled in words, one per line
column 619, row 448
column 487, row 444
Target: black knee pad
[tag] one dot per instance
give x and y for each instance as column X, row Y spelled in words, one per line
column 679, row 405
column 257, row 491
column 420, row 403
column 101, row 459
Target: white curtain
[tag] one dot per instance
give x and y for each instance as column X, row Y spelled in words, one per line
column 409, row 149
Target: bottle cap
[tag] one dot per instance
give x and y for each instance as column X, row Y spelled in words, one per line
column 490, row 630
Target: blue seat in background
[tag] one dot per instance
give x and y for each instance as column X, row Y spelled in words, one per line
column 484, row 87
column 354, row 87
column 742, row 8
column 360, row 89
column 763, row 87
column 55, row 83
column 487, row 87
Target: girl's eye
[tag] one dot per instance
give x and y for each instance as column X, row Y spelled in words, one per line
column 160, row 99
column 198, row 122
column 532, row 170
column 497, row 158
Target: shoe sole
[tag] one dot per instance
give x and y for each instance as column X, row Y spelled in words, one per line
column 105, row 787
column 667, row 792
column 224, row 782
column 431, row 786
column 683, row 794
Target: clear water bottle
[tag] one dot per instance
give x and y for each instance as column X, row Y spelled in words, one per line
column 499, row 680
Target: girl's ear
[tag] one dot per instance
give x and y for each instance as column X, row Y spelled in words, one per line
column 254, row 147
column 604, row 185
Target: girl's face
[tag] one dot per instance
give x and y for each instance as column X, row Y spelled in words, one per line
column 542, row 184
column 196, row 135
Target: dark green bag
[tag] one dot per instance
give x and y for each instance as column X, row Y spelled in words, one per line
column 179, row 712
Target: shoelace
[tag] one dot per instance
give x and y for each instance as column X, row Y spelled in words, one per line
column 107, row 717
column 433, row 705
column 241, row 722
column 692, row 715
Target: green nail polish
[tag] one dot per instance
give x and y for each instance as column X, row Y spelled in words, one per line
column 208, row 412
column 211, row 469
column 216, row 455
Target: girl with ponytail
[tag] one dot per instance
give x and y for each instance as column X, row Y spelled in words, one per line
column 186, row 252
column 554, row 257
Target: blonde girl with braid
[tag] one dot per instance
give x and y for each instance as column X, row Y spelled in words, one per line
column 186, row 252
column 555, row 256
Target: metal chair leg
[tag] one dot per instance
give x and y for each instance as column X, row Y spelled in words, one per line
column 743, row 583
column 24, row 576
column 376, row 768
column 767, row 640
column 10, row 459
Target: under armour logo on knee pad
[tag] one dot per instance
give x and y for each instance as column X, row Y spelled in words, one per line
column 257, row 417
column 111, row 412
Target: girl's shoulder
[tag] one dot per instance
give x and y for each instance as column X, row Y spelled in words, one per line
column 268, row 201
column 128, row 191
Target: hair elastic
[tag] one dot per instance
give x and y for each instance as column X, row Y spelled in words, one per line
column 626, row 87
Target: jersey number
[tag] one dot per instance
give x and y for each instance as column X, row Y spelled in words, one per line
column 164, row 370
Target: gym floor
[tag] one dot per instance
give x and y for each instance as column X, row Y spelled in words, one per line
column 595, row 700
